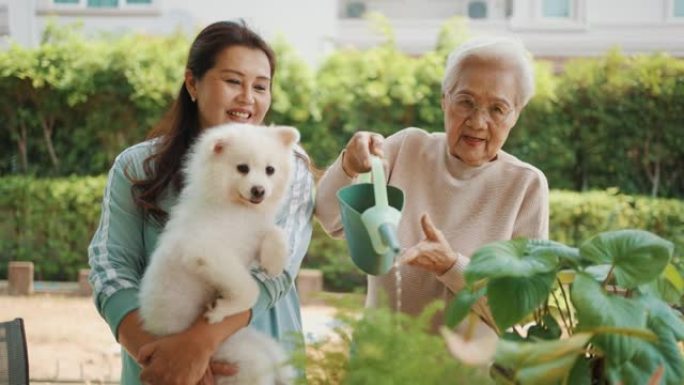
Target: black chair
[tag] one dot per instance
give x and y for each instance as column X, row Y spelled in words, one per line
column 13, row 353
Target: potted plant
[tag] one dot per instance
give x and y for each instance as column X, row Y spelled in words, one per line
column 597, row 314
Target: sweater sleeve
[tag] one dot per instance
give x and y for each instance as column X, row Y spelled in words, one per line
column 453, row 278
column 116, row 252
column 295, row 218
column 532, row 220
column 327, row 208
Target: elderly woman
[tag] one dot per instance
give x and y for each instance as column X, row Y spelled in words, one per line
column 461, row 189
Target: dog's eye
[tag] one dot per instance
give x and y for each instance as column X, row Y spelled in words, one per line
column 270, row 170
column 243, row 168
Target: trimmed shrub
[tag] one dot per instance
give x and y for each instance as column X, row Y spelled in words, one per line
column 51, row 221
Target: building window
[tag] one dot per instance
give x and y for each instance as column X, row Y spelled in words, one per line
column 556, row 8
column 98, row 7
column 678, row 10
column 103, row 3
column 355, row 9
column 508, row 8
column 477, row 10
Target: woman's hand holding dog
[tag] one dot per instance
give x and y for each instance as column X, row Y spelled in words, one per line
column 184, row 358
column 185, row 362
column 178, row 359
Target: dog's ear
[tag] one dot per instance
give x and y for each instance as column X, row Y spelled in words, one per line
column 220, row 144
column 287, row 135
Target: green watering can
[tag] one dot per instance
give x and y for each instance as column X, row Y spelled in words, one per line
column 370, row 216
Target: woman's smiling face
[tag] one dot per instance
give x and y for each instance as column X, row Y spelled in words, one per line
column 480, row 110
column 236, row 89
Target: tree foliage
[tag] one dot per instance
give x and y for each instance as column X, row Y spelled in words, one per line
column 71, row 104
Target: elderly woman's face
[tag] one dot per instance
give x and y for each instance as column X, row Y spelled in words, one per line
column 480, row 111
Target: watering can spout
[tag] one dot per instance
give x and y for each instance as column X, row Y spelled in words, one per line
column 388, row 235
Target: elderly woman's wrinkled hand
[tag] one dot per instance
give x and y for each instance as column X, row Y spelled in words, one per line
column 356, row 157
column 432, row 253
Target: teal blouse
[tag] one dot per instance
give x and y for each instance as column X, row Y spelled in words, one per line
column 121, row 247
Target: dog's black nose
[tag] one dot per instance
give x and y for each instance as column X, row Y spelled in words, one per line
column 257, row 192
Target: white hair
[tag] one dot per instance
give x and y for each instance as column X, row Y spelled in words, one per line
column 493, row 50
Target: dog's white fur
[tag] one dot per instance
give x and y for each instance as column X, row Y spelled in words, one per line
column 215, row 232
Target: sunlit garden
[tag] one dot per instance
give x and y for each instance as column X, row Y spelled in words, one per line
column 600, row 303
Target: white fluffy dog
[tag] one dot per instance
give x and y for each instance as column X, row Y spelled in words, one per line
column 236, row 176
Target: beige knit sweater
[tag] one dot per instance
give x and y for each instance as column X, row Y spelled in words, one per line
column 472, row 206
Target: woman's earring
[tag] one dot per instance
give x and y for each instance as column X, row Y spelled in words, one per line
column 192, row 98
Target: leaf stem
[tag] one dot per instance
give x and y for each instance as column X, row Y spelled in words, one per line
column 567, row 304
column 565, row 322
column 610, row 274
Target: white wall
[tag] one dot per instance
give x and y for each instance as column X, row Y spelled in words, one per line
column 309, row 25
column 22, row 22
column 625, row 11
column 313, row 27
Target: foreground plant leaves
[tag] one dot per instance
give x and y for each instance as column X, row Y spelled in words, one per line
column 543, row 362
column 595, row 309
column 460, row 306
column 516, row 258
column 650, row 356
column 389, row 349
column 512, row 298
column 638, row 256
column 474, row 343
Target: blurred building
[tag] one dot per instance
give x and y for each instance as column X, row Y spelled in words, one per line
column 552, row 29
column 309, row 25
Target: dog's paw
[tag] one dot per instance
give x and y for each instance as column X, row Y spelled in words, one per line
column 214, row 315
column 274, row 252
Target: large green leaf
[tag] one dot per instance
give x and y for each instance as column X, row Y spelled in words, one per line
column 650, row 356
column 459, row 307
column 512, row 298
column 543, row 362
column 514, row 355
column 595, row 308
column 638, row 256
column 598, row 272
column 660, row 313
column 515, row 258
column 547, row 373
column 580, row 374
column 549, row 329
column 672, row 275
column 542, row 248
column 669, row 286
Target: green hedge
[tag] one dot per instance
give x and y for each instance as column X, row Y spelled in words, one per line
column 51, row 221
column 575, row 216
column 71, row 104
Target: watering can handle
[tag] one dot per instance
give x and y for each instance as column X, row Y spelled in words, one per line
column 379, row 186
column 377, row 177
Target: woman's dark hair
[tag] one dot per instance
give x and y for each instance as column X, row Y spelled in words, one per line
column 180, row 125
